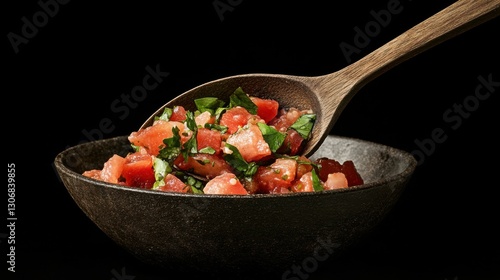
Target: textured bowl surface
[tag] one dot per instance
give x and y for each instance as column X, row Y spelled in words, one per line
column 215, row 233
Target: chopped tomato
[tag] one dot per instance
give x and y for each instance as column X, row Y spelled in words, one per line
column 178, row 114
column 94, row 174
column 205, row 165
column 112, row 169
column 304, row 165
column 327, row 166
column 335, row 180
column 292, row 144
column 281, row 173
column 138, row 171
column 226, row 183
column 151, row 138
column 351, row 173
column 173, row 184
column 304, row 184
column 267, row 109
column 250, row 143
column 235, row 118
column 285, row 118
column 209, row 138
column 280, row 190
column 204, row 118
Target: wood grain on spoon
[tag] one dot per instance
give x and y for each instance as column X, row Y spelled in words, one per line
column 327, row 95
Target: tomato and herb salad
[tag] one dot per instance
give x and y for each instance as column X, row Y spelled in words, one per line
column 244, row 145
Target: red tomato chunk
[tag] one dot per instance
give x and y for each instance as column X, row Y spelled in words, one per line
column 249, row 146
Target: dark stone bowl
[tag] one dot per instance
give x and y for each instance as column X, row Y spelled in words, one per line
column 232, row 234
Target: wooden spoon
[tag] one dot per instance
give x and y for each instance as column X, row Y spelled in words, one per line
column 327, row 95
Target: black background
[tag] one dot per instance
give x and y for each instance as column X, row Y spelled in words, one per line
column 63, row 81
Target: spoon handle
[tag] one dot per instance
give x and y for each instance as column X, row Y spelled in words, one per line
column 449, row 22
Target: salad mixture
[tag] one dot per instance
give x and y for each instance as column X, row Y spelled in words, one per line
column 245, row 145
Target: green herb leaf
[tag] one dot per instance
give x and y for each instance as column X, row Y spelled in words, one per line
column 242, row 167
column 207, row 150
column 209, row 104
column 135, row 148
column 195, row 184
column 218, row 127
column 165, row 116
column 190, row 146
column 317, row 186
column 161, row 169
column 172, row 147
column 240, row 98
column 273, row 137
column 304, row 124
column 190, row 121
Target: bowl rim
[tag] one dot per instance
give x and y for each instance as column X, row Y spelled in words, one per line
column 406, row 173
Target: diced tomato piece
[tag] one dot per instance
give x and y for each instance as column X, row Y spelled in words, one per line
column 303, row 166
column 292, row 144
column 151, row 137
column 226, row 183
column 173, row 184
column 285, row 118
column 267, row 109
column 94, row 174
column 251, row 186
column 178, row 114
column 351, row 173
column 209, row 138
column 205, row 165
column 335, row 180
column 281, row 173
column 304, row 184
column 327, row 166
column 235, row 118
column 112, row 169
column 280, row 190
column 250, row 143
column 204, row 118
column 138, row 171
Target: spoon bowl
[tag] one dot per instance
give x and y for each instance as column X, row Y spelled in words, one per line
column 329, row 94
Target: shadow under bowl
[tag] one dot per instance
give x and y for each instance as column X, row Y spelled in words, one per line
column 221, row 233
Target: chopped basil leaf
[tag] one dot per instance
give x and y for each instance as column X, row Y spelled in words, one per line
column 161, row 169
column 135, row 148
column 195, row 184
column 272, row 137
column 165, row 116
column 304, row 124
column 190, row 122
column 240, row 98
column 209, row 104
column 238, row 163
column 207, row 150
column 218, row 127
column 190, row 147
column 317, row 186
column 218, row 113
column 172, row 147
